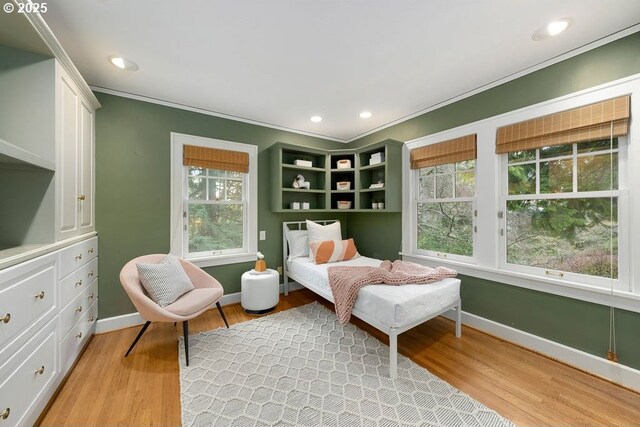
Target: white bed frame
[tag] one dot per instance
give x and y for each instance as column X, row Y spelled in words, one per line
column 393, row 332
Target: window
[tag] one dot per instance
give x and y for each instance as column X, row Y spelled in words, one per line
column 214, row 203
column 215, row 210
column 561, row 207
column 549, row 202
column 445, row 195
column 444, row 183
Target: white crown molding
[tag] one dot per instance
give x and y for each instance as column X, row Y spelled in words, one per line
column 598, row 366
column 210, row 113
column 575, row 52
column 43, row 30
column 56, row 48
column 541, row 65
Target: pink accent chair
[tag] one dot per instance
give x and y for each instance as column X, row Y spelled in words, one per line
column 192, row 304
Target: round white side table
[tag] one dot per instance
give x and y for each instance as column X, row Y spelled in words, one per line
column 260, row 291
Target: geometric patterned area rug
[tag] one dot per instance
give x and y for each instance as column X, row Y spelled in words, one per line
column 301, row 367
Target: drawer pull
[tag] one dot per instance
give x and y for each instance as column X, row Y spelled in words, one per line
column 6, row 318
column 5, row 414
column 40, row 370
column 79, row 283
column 40, row 295
column 78, row 257
column 82, row 197
column 79, row 335
column 91, row 296
column 90, row 250
column 79, row 309
column 90, row 274
column 91, row 319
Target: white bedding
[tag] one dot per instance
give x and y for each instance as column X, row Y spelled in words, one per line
column 393, row 306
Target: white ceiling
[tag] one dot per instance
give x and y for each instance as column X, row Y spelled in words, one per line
column 281, row 61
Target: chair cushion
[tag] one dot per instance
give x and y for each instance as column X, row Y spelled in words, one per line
column 194, row 301
column 165, row 281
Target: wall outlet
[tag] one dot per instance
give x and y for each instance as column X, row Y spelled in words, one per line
column 263, row 235
column 280, row 270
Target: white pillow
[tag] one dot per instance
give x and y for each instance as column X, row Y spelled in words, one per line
column 298, row 241
column 165, row 281
column 319, row 232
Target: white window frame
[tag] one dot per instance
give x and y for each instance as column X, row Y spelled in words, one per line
column 179, row 193
column 417, row 200
column 623, row 255
column 487, row 251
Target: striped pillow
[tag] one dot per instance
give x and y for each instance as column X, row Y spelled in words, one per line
column 166, row 281
column 333, row 250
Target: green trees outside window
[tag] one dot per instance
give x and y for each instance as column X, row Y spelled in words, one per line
column 562, row 208
column 215, row 210
column 445, row 208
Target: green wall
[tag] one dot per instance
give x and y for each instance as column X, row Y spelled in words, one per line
column 133, row 187
column 577, row 324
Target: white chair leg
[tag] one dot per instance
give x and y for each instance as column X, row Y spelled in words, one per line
column 393, row 354
column 459, row 320
column 286, row 284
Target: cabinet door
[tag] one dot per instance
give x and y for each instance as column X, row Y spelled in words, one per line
column 67, row 158
column 86, row 167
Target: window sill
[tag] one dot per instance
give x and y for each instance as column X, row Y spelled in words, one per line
column 597, row 295
column 222, row 259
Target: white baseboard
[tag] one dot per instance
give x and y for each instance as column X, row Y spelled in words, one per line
column 229, row 299
column 134, row 319
column 118, row 322
column 620, row 374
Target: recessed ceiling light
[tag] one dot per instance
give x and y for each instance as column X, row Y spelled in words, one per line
column 123, row 63
column 365, row 114
column 316, row 119
column 551, row 29
column 556, row 27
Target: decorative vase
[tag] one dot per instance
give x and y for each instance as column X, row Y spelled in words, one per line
column 261, row 265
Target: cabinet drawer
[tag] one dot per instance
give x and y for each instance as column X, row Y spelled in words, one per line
column 77, row 255
column 71, row 345
column 27, row 297
column 31, row 377
column 74, row 311
column 75, row 283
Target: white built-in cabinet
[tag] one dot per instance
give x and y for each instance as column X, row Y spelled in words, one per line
column 48, row 311
column 48, row 248
column 86, row 168
column 74, row 160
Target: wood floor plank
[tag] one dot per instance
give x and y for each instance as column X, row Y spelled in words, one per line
column 143, row 389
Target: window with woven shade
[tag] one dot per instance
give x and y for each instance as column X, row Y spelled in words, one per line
column 561, row 191
column 215, row 158
column 445, row 196
column 601, row 120
column 214, row 213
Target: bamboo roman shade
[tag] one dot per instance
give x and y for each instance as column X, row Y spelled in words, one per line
column 214, row 158
column 601, row 120
column 450, row 151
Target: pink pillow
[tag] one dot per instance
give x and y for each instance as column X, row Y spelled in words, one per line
column 333, row 250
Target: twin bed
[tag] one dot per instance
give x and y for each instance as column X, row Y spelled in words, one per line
column 391, row 309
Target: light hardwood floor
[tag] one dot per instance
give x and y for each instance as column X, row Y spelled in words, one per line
column 525, row 387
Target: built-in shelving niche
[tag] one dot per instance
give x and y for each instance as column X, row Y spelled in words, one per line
column 366, row 179
column 27, row 151
column 27, row 199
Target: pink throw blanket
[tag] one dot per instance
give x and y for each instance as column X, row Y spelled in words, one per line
column 345, row 282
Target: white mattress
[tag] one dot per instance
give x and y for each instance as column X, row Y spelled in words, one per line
column 391, row 306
